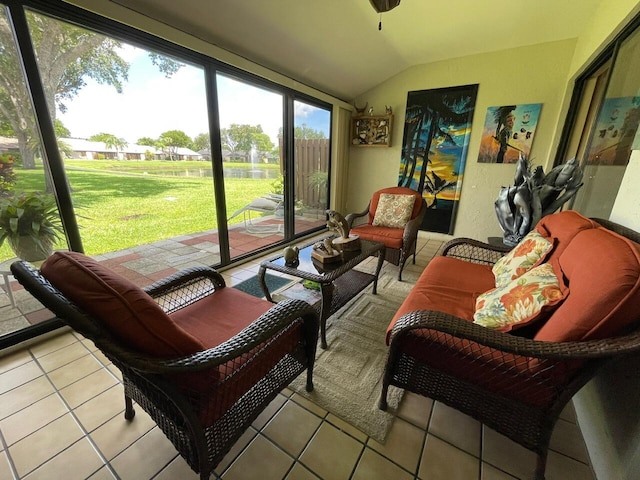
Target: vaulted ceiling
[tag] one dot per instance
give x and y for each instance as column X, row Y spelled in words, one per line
column 336, row 47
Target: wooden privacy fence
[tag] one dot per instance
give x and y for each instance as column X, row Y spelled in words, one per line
column 311, row 161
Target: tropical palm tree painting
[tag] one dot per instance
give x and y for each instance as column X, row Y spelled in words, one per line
column 437, row 129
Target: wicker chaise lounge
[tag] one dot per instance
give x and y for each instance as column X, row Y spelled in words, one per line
column 203, row 360
column 517, row 382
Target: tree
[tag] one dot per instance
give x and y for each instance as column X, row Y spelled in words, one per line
column 242, row 139
column 307, row 133
column 171, row 140
column 202, row 141
column 109, row 140
column 148, row 141
column 60, row 129
column 67, row 56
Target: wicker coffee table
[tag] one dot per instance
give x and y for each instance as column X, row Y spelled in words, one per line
column 339, row 282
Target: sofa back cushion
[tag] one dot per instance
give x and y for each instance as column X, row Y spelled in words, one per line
column 122, row 307
column 560, row 228
column 602, row 271
column 375, row 199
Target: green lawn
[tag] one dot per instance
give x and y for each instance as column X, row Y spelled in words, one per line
column 122, row 204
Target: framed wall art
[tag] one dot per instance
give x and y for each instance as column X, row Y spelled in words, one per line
column 437, row 128
column 508, row 132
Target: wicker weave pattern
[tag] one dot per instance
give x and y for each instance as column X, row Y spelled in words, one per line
column 515, row 385
column 205, row 401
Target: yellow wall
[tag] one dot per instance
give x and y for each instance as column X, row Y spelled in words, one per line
column 535, row 74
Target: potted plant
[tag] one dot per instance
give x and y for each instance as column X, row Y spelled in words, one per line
column 30, row 223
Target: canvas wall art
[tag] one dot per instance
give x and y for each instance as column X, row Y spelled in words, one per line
column 508, row 132
column 437, row 129
column 616, row 128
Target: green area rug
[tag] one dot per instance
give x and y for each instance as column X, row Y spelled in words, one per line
column 348, row 375
column 252, row 285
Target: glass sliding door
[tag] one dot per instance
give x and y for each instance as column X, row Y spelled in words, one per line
column 605, row 138
column 250, row 124
column 28, row 205
column 132, row 129
column 312, row 126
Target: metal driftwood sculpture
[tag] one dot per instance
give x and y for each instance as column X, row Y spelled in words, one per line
column 534, row 195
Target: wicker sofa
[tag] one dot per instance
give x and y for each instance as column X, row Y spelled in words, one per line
column 517, row 380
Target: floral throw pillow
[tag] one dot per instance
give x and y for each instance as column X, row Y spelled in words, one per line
column 393, row 211
column 521, row 301
column 530, row 252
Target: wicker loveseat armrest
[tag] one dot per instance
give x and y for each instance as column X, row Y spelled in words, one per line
column 463, row 329
column 475, row 251
column 185, row 287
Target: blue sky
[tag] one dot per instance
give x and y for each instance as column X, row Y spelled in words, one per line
column 151, row 104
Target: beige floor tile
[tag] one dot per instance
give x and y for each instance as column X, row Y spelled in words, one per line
column 300, row 400
column 77, row 462
column 52, row 344
column 346, row 427
column 402, row 445
column 90, row 386
column 32, row 418
column 489, row 472
column 13, row 360
column 567, row 439
column 74, row 371
column 246, row 438
column 299, row 472
column 507, row 455
column 177, row 469
column 373, row 466
column 261, row 460
column 118, row 434
column 292, row 427
column 560, row 467
column 102, row 408
column 331, row 454
column 442, row 461
column 101, row 357
column 32, row 451
column 416, row 409
column 103, row 474
column 264, row 417
column 146, row 457
column 5, row 469
column 568, row 413
column 63, row 356
column 19, row 376
column 456, row 428
column 24, row 395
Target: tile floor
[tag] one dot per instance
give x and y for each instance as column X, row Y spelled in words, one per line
column 61, row 416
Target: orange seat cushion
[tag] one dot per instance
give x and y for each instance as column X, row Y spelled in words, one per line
column 447, row 285
column 391, row 237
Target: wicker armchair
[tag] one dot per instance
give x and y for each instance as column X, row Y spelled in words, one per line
column 400, row 243
column 513, row 384
column 203, row 402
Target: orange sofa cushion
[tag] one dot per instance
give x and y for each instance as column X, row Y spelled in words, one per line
column 126, row 310
column 447, row 285
column 560, row 228
column 602, row 271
